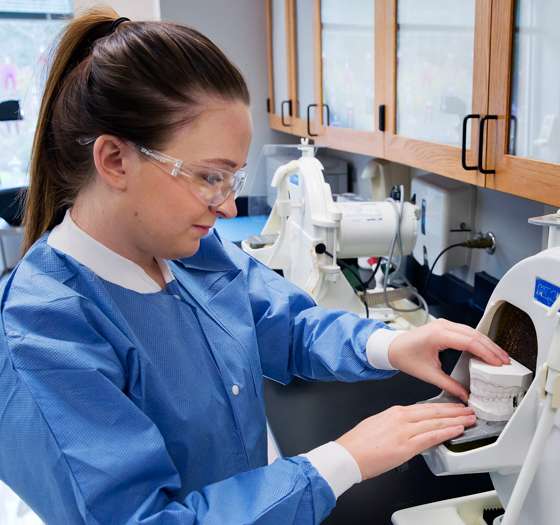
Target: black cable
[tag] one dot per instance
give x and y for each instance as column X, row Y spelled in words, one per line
column 355, row 274
column 377, row 266
column 434, row 265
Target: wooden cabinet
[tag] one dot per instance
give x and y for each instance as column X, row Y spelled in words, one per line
column 280, row 53
column 398, row 78
column 351, row 87
column 436, row 75
column 523, row 141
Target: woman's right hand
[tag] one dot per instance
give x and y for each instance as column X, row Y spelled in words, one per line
column 387, row 440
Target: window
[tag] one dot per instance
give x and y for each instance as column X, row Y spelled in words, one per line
column 28, row 29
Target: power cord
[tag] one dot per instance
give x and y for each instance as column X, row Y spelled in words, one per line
column 423, row 305
column 435, row 262
column 377, row 266
column 487, row 242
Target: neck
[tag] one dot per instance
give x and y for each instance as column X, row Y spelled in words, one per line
column 100, row 219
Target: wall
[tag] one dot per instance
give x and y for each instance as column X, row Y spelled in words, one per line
column 239, row 29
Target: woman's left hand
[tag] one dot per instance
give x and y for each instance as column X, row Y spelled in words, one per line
column 416, row 352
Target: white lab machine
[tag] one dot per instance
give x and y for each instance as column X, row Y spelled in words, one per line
column 310, row 232
column 447, row 210
column 335, row 171
column 522, row 454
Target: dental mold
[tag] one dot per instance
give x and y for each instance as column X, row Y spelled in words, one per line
column 497, row 391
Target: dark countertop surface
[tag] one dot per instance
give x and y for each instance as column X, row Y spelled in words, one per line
column 304, row 415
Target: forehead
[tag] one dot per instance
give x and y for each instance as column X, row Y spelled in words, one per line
column 222, row 134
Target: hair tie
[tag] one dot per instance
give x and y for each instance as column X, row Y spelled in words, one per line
column 118, row 21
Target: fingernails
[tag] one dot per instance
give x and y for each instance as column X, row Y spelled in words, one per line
column 471, row 419
column 460, row 428
column 505, row 355
column 462, row 405
column 469, row 410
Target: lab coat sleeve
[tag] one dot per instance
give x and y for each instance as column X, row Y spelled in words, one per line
column 298, row 338
column 80, row 451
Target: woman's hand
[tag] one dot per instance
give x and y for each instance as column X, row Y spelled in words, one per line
column 416, row 352
column 386, row 440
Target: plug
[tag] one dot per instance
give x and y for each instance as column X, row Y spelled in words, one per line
column 485, row 241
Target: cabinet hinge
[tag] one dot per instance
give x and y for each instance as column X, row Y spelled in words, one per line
column 382, row 117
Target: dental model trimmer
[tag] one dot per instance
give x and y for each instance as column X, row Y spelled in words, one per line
column 550, row 392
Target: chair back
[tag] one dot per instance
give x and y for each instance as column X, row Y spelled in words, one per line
column 10, row 110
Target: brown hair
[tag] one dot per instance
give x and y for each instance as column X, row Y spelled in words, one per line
column 141, row 82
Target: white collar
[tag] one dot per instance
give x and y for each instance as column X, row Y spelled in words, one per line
column 68, row 238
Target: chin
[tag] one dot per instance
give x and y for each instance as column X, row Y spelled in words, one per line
column 187, row 251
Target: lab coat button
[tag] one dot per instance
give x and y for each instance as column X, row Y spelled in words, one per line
column 177, row 297
column 235, row 390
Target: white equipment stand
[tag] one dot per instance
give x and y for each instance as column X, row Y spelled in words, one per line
column 314, row 231
column 524, row 460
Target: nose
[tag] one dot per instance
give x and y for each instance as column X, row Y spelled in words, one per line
column 228, row 209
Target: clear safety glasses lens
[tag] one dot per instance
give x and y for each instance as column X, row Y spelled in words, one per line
column 211, row 185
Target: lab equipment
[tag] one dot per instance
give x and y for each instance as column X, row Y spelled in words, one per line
column 522, row 317
column 335, row 170
column 314, row 232
column 447, row 210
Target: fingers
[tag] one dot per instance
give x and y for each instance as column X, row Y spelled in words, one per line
column 461, row 337
column 437, row 377
column 435, row 437
column 426, row 411
column 431, row 425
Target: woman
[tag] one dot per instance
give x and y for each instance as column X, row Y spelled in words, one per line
column 131, row 376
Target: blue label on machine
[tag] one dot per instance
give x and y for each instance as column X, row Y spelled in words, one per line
column 545, row 292
column 294, row 179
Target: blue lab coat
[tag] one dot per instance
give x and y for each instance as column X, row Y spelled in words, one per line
column 118, row 407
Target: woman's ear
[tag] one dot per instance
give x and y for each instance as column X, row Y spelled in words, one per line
column 112, row 157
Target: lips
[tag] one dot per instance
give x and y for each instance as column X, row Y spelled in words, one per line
column 203, row 230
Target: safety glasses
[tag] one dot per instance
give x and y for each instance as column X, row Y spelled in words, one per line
column 211, row 185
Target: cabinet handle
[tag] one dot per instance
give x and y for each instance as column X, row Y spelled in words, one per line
column 328, row 114
column 289, row 102
column 382, row 117
column 308, row 119
column 464, row 147
column 481, row 142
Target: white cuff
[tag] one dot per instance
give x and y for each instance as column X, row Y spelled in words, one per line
column 377, row 348
column 336, row 465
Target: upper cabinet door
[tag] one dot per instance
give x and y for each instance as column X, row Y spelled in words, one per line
column 437, row 76
column 304, row 14
column 280, row 53
column 523, row 140
column 349, row 70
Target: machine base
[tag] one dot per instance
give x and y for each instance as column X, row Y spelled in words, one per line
column 459, row 511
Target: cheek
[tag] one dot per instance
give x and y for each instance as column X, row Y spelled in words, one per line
column 180, row 208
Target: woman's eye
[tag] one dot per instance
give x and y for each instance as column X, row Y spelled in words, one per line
column 212, row 178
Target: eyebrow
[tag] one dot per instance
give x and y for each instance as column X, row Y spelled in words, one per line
column 227, row 162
